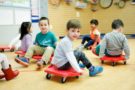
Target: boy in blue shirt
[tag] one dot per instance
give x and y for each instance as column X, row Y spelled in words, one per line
column 44, row 45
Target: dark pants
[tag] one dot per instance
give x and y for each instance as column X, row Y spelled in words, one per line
column 89, row 41
column 80, row 56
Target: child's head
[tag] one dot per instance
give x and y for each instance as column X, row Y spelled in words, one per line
column 94, row 23
column 44, row 24
column 73, row 29
column 25, row 29
column 117, row 25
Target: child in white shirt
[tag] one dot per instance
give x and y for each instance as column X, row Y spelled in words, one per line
column 64, row 55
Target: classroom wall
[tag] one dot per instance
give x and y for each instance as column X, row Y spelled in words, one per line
column 59, row 15
column 8, row 32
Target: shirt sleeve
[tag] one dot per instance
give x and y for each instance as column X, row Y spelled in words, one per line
column 28, row 41
column 14, row 41
column 72, row 60
column 68, row 50
column 102, row 47
column 54, row 39
column 96, row 32
column 126, row 48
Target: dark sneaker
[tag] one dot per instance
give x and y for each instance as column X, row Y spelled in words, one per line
column 23, row 61
column 95, row 70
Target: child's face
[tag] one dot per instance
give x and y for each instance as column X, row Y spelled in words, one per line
column 31, row 28
column 74, row 33
column 44, row 26
column 93, row 26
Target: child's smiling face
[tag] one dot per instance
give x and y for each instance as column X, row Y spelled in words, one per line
column 74, row 33
column 93, row 26
column 44, row 26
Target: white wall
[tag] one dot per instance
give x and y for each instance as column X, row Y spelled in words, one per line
column 8, row 32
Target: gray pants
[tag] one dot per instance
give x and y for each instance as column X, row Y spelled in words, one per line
column 80, row 56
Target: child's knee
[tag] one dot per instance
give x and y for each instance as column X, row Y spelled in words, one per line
column 50, row 49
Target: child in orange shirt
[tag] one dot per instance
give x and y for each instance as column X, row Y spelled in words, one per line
column 94, row 37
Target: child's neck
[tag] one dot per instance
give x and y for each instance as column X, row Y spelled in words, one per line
column 94, row 28
column 116, row 30
column 70, row 38
column 45, row 32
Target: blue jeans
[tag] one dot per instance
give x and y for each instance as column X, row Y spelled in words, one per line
column 89, row 41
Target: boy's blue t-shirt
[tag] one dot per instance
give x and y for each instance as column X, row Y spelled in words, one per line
column 44, row 40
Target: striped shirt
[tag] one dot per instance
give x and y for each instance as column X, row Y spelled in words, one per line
column 115, row 43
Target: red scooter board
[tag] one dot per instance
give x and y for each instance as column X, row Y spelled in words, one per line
column 52, row 70
column 2, row 48
column 22, row 53
column 113, row 59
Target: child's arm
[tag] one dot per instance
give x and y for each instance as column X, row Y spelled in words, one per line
column 72, row 60
column 14, row 40
column 28, row 41
column 126, row 49
column 96, row 39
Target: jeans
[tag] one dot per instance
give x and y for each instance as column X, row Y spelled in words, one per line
column 80, row 56
column 89, row 41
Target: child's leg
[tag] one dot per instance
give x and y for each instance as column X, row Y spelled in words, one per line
column 45, row 58
column 65, row 66
column 90, row 42
column 47, row 54
column 85, row 38
column 93, row 70
column 4, row 62
column 80, row 56
column 33, row 50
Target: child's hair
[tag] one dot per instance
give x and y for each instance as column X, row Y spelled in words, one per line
column 73, row 23
column 94, row 21
column 24, row 29
column 117, row 24
column 44, row 18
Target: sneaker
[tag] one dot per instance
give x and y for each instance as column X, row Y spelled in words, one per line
column 95, row 70
column 23, row 61
column 81, row 65
column 40, row 64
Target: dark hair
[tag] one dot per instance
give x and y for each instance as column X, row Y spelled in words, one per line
column 117, row 24
column 94, row 21
column 73, row 23
column 24, row 29
column 44, row 18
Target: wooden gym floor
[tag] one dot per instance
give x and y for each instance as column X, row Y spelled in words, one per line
column 119, row 77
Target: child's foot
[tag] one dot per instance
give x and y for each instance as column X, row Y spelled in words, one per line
column 23, row 61
column 95, row 70
column 40, row 64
